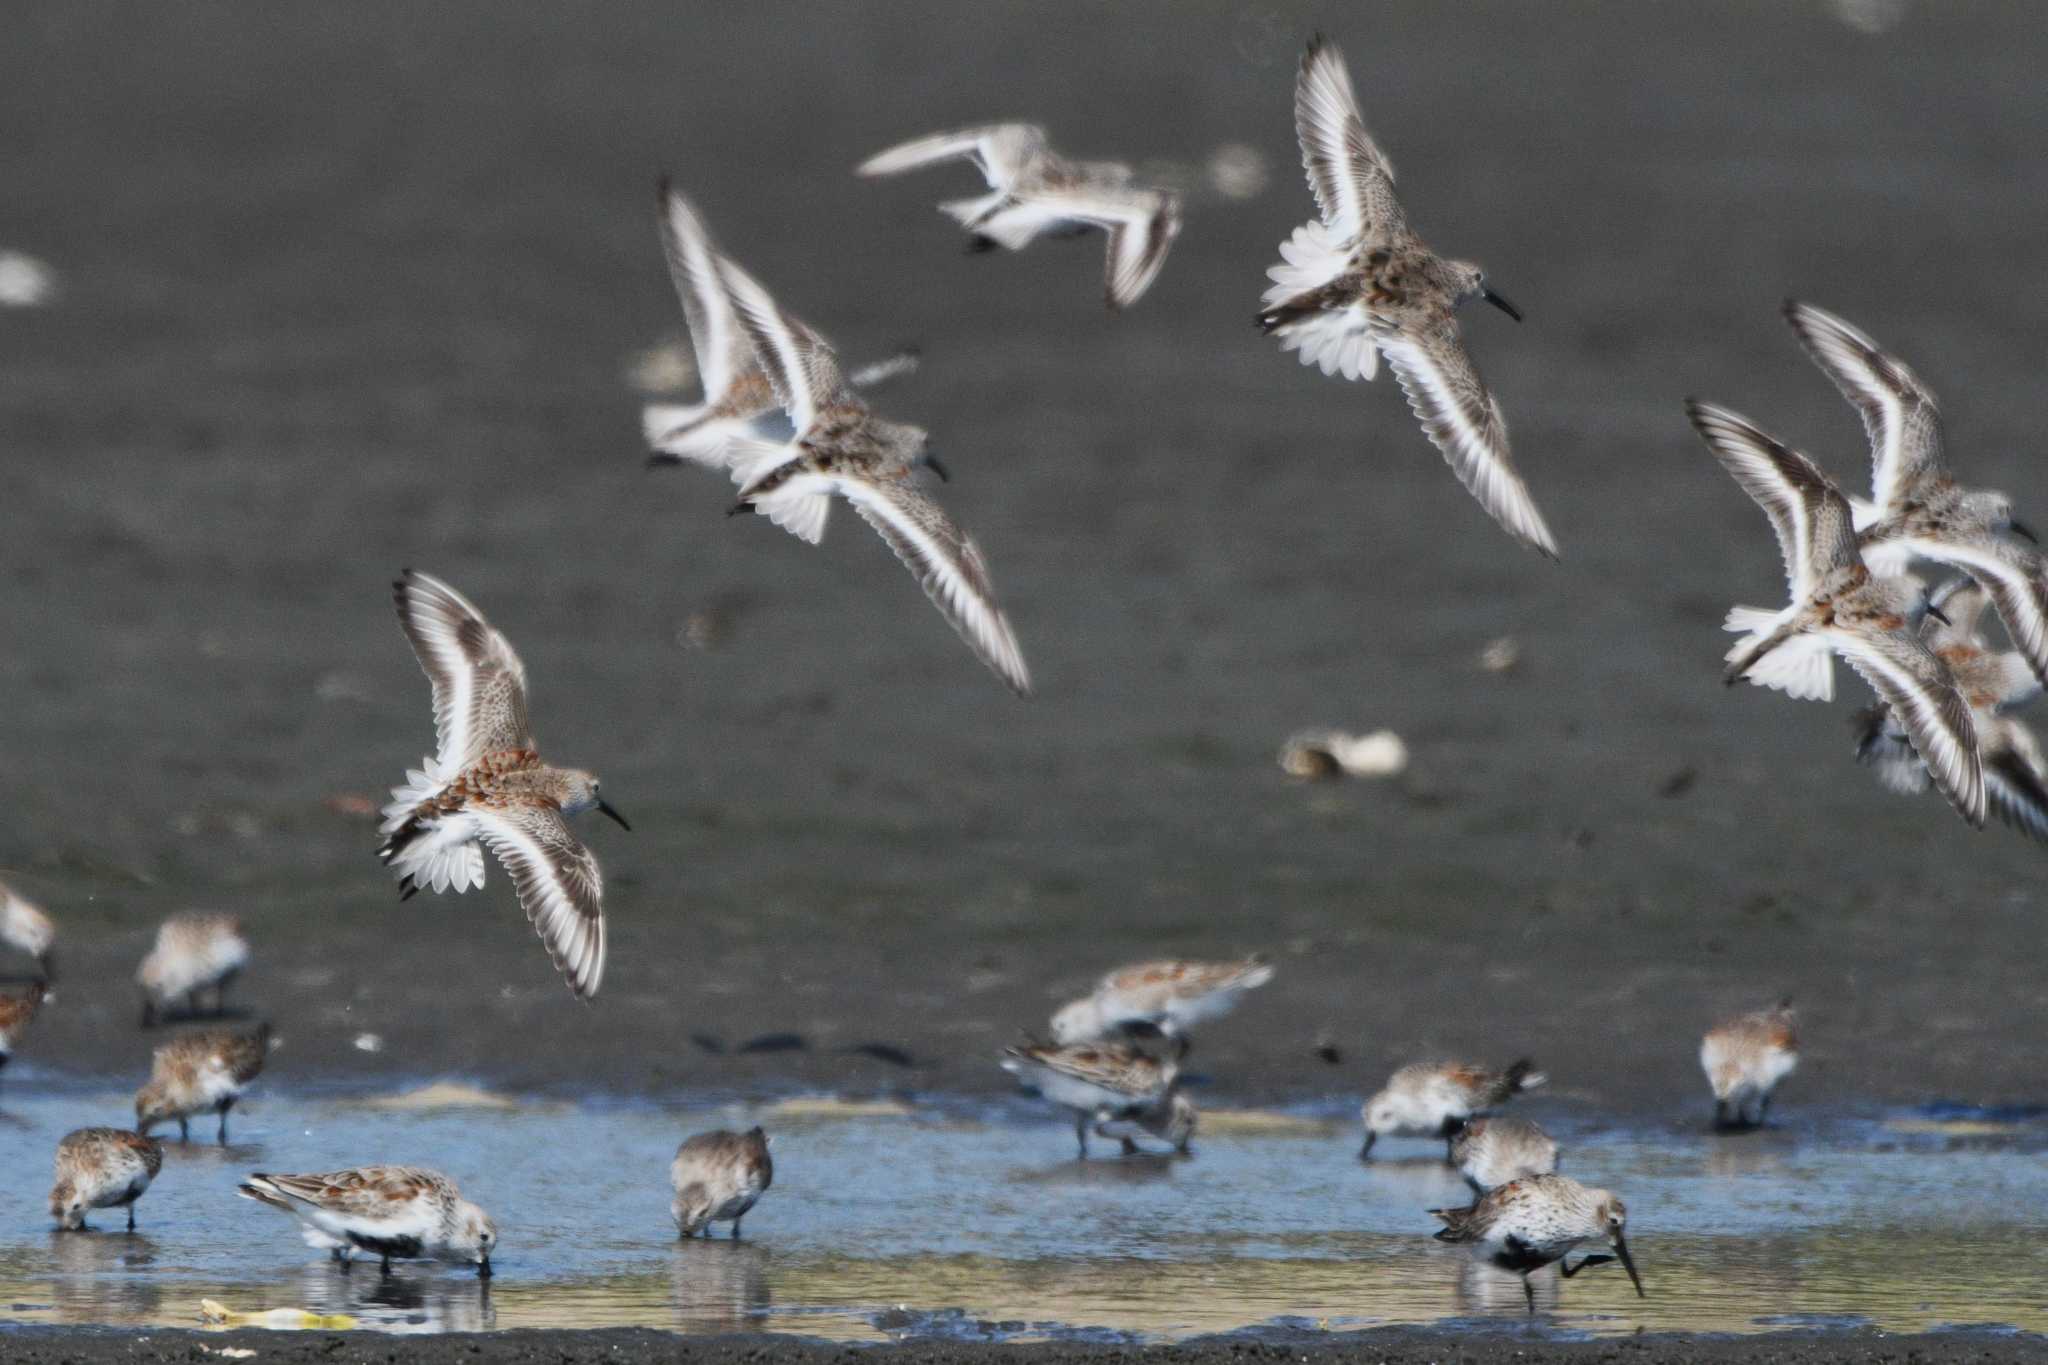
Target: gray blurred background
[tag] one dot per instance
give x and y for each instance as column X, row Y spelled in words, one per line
column 350, row 288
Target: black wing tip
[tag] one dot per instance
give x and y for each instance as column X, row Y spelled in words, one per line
column 664, row 186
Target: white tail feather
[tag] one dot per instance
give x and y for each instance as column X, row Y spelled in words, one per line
column 1337, row 342
column 1802, row 667
column 1751, row 621
column 1309, row 260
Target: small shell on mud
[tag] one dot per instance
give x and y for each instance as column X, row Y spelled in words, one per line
column 1318, row 754
column 1501, row 655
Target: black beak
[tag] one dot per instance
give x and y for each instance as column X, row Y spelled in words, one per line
column 932, row 463
column 1501, row 303
column 606, row 807
column 48, row 967
column 1938, row 614
column 661, row 459
column 2019, row 529
column 739, row 509
column 1365, row 1152
column 1628, row 1263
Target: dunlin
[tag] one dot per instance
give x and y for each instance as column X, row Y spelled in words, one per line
column 1357, row 283
column 1836, row 600
column 1036, row 192
column 738, row 399
column 487, row 786
column 1098, row 1081
column 1490, row 1152
column 1527, row 1224
column 1172, row 1121
column 102, row 1168
column 1745, row 1058
column 24, row 926
column 717, row 1177
column 391, row 1212
column 841, row 447
column 1431, row 1099
column 1994, row 683
column 17, row 1011
column 193, row 953
column 197, row 1072
column 1168, row 997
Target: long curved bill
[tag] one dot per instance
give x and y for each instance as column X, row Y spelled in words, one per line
column 1628, row 1263
column 606, row 807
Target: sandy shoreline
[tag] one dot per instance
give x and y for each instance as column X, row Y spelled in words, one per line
column 91, row 1347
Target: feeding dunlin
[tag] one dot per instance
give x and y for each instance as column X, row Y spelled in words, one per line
column 1836, row 600
column 391, row 1212
column 1357, row 283
column 1172, row 1121
column 1099, row 1082
column 1037, row 192
column 487, row 785
column 17, row 1011
column 1430, row 1099
column 717, row 1177
column 197, row 1072
column 102, row 1168
column 1745, row 1058
column 841, row 447
column 1994, row 683
column 1529, row 1223
column 1169, row 997
column 25, row 926
column 194, row 952
column 1490, row 1152
column 738, row 399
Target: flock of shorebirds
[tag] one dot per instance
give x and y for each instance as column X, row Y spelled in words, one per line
column 792, row 430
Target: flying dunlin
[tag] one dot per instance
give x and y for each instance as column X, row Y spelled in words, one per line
column 1357, row 283
column 1037, row 192
column 487, row 785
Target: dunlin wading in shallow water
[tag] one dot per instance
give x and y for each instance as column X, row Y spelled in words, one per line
column 1433, row 1099
column 390, row 1212
column 193, row 953
column 717, row 1177
column 1357, row 283
column 1169, row 998
column 198, row 1072
column 843, row 448
column 738, row 399
column 1745, row 1058
column 1839, row 604
column 102, row 1168
column 18, row 1010
column 24, row 926
column 1994, row 683
column 1035, row 192
column 1099, row 1082
column 1527, row 1224
column 487, row 786
column 1490, row 1152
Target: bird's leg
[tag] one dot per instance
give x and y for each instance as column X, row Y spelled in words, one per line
column 1365, row 1152
column 222, row 1136
column 184, row 1129
column 1721, row 1114
column 1763, row 1108
column 1566, row 1269
column 1529, row 1293
column 1130, row 1147
column 736, row 1228
column 1081, row 1134
column 387, row 1265
column 131, row 1217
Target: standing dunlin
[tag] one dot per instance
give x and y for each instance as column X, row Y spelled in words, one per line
column 1357, row 283
column 102, row 1168
column 194, row 952
column 200, row 1071
column 1099, row 1082
column 1527, row 1224
column 738, row 399
column 24, row 925
column 1431, row 1099
column 1994, row 683
column 1490, row 1152
column 486, row 785
column 1836, row 601
column 717, row 1177
column 390, row 1212
column 841, row 447
column 1745, row 1058
column 17, row 1011
column 1037, row 192
column 1168, row 997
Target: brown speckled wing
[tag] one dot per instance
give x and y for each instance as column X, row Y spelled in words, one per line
column 479, row 684
column 558, row 883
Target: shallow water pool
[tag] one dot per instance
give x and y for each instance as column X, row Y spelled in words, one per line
column 908, row 1219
